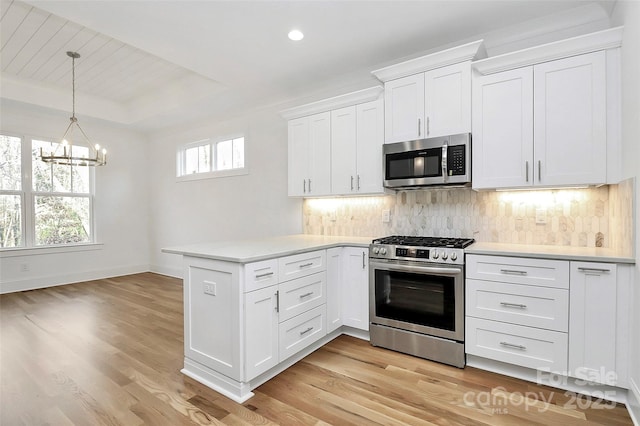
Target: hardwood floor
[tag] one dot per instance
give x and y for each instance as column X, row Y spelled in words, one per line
column 110, row 352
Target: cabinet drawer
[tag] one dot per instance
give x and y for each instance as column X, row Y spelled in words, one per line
column 525, row 346
column 302, row 294
column 540, row 307
column 301, row 331
column 300, row 265
column 518, row 270
column 259, row 275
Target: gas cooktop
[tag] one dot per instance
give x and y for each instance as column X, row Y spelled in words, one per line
column 420, row 249
column 398, row 240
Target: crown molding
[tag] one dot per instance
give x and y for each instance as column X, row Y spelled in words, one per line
column 341, row 101
column 454, row 55
column 601, row 40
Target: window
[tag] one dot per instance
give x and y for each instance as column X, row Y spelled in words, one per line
column 42, row 204
column 205, row 159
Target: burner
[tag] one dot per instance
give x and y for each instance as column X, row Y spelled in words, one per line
column 425, row 241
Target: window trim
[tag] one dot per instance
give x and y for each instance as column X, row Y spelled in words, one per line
column 28, row 211
column 181, row 176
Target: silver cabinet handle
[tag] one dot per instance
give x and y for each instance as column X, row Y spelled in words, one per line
column 302, row 333
column 526, row 166
column 602, row 271
column 419, row 122
column 513, row 305
column 427, row 126
column 358, row 182
column 304, row 186
column 352, row 183
column 309, row 185
column 305, row 265
column 277, row 301
column 511, row 345
column 302, row 296
column 363, row 264
column 267, row 274
column 539, row 171
column 513, row 272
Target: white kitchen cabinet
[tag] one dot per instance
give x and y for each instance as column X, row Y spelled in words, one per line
column 434, row 103
column 261, row 331
column 593, row 322
column 355, row 288
column 541, row 125
column 310, row 155
column 502, row 151
column 356, row 149
column 334, row 288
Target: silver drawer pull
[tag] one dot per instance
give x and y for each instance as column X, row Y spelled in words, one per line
column 511, row 345
column 267, row 274
column 302, row 296
column 513, row 305
column 306, row 265
column 594, row 270
column 513, row 272
column 302, row 333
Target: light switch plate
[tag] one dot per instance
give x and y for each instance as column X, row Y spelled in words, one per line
column 386, row 216
column 541, row 216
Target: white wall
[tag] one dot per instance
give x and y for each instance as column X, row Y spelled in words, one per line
column 120, row 206
column 627, row 13
column 229, row 208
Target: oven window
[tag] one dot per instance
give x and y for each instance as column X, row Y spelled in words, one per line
column 427, row 300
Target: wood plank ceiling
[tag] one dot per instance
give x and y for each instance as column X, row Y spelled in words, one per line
column 34, row 46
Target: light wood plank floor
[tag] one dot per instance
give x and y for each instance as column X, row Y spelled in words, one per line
column 110, row 352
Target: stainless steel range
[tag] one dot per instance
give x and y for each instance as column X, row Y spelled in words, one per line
column 416, row 301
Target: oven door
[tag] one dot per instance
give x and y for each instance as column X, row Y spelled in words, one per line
column 426, row 299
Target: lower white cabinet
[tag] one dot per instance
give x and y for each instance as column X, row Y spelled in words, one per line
column 593, row 322
column 334, row 288
column 299, row 332
column 355, row 288
column 261, row 329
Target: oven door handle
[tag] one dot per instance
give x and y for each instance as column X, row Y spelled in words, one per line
column 436, row 270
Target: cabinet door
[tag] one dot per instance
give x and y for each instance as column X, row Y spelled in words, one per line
column 343, row 150
column 592, row 322
column 570, row 121
column 334, row 288
column 355, row 288
column 298, row 156
column 503, row 129
column 404, row 109
column 448, row 100
column 261, row 331
column 370, row 138
column 319, row 180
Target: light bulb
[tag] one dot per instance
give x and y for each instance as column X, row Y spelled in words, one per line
column 296, row 35
column 97, row 147
column 65, row 142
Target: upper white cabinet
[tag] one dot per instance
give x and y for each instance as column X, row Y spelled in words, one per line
column 435, row 103
column 337, row 151
column 310, row 155
column 543, row 121
column 429, row 96
column 356, row 149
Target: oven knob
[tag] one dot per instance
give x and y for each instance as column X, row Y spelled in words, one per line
column 383, row 251
column 444, row 255
column 454, row 256
column 436, row 254
column 376, row 250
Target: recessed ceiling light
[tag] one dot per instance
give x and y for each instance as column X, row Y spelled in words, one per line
column 296, row 35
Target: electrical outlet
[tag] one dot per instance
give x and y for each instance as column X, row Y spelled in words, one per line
column 210, row 288
column 541, row 216
column 333, row 215
column 386, row 216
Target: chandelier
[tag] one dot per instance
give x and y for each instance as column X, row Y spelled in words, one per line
column 64, row 153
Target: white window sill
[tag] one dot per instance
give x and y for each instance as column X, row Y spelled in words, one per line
column 213, row 175
column 33, row 251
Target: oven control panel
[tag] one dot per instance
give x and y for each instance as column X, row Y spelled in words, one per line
column 421, row 254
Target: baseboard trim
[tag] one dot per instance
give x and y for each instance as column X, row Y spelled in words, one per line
column 170, row 271
column 633, row 402
column 63, row 279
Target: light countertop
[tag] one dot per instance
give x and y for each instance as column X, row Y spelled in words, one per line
column 253, row 250
column 585, row 254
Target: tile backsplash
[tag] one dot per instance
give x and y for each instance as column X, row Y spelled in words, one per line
column 592, row 217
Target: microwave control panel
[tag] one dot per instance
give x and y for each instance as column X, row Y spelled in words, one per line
column 456, row 164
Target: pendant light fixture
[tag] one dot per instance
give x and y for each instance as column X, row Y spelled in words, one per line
column 64, row 153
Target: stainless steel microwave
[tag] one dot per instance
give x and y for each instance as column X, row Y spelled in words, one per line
column 437, row 161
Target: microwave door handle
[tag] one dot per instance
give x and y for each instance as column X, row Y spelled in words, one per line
column 445, row 149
